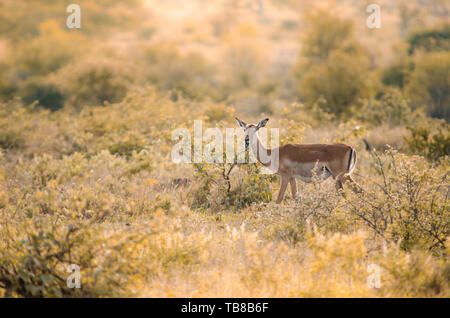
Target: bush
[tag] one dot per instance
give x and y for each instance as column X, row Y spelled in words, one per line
column 321, row 39
column 397, row 73
column 168, row 69
column 28, row 129
column 391, row 109
column 37, row 263
column 45, row 94
column 12, row 134
column 217, row 112
column 416, row 273
column 137, row 224
column 219, row 189
column 402, row 208
column 437, row 39
column 334, row 70
column 337, row 84
column 431, row 142
column 429, row 82
column 42, row 55
column 94, row 81
column 7, row 87
column 96, row 187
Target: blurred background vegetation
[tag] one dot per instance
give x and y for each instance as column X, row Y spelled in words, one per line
column 256, row 59
column 86, row 117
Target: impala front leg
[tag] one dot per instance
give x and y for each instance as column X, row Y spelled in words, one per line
column 293, row 187
column 284, row 183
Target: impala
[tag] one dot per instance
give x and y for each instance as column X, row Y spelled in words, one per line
column 297, row 161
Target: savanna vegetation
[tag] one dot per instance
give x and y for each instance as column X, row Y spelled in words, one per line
column 86, row 123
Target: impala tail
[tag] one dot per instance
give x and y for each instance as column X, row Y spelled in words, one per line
column 351, row 161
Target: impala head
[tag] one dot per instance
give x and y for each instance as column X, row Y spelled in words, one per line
column 250, row 129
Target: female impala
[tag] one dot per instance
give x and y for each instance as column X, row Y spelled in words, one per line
column 301, row 161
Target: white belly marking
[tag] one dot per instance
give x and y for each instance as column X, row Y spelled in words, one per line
column 304, row 179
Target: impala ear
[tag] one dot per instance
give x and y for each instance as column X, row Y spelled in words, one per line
column 241, row 123
column 262, row 123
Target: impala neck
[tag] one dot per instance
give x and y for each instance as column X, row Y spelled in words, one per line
column 258, row 149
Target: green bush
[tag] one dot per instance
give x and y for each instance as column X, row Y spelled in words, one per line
column 397, row 73
column 431, row 142
column 321, row 39
column 7, row 87
column 12, row 134
column 218, row 188
column 94, row 81
column 334, row 70
column 46, row 53
column 45, row 94
column 429, row 84
column 403, row 207
column 36, row 264
column 168, row 69
column 437, row 39
column 391, row 108
column 338, row 84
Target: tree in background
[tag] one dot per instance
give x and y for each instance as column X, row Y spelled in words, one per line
column 429, row 84
column 334, row 70
column 327, row 33
column 423, row 72
column 429, row 40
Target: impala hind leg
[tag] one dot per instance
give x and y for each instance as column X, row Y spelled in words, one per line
column 284, row 183
column 346, row 178
column 339, row 185
column 356, row 188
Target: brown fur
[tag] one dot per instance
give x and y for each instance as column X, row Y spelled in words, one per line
column 303, row 161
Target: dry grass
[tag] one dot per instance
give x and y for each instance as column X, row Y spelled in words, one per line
column 92, row 182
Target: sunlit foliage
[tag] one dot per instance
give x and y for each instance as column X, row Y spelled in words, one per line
column 87, row 178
